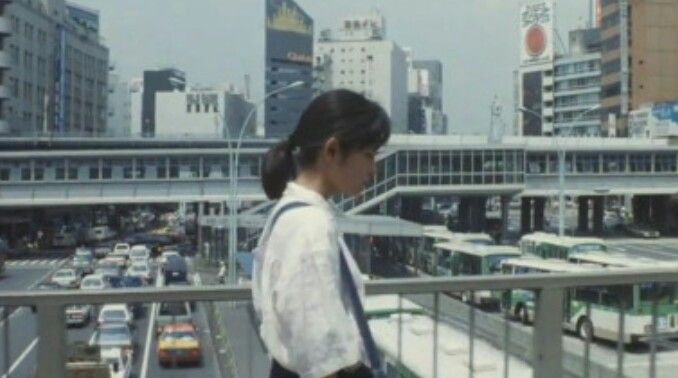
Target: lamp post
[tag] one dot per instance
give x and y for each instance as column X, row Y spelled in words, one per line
column 234, row 157
column 561, row 167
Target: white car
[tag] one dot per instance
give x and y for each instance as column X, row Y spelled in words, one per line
column 121, row 249
column 115, row 313
column 78, row 314
column 93, row 282
column 119, row 260
column 140, row 250
column 119, row 361
column 139, row 261
column 66, row 278
column 86, row 252
column 140, row 270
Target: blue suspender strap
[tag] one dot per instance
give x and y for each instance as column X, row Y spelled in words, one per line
column 359, row 315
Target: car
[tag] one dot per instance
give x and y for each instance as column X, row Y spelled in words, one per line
column 641, row 231
column 132, row 282
column 69, row 278
column 140, row 250
column 185, row 248
column 119, row 361
column 166, row 254
column 142, row 271
column 113, row 335
column 79, row 314
column 175, row 270
column 172, row 312
column 102, row 249
column 85, row 252
column 121, row 249
column 179, row 343
column 94, row 282
column 119, row 260
column 139, row 261
column 100, row 233
column 108, row 268
column 115, row 313
column 64, row 239
column 84, row 264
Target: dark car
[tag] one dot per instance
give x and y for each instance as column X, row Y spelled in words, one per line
column 186, row 248
column 132, row 282
column 175, row 270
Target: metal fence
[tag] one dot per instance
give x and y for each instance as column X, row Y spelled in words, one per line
column 547, row 347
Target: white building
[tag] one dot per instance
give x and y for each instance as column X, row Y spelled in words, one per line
column 136, row 91
column 360, row 59
column 202, row 112
column 654, row 121
column 425, row 92
column 119, row 107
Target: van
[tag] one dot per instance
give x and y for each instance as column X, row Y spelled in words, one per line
column 175, row 270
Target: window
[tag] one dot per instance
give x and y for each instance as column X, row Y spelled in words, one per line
column 665, row 162
column 640, row 162
column 4, row 174
column 25, row 173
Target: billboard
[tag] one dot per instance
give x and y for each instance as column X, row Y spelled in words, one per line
column 537, row 35
column 532, row 101
column 289, row 33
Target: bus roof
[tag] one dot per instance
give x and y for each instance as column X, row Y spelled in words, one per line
column 442, row 232
column 479, row 250
column 565, row 241
column 549, row 265
column 613, row 259
column 438, row 232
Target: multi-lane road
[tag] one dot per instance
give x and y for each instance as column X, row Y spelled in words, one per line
column 23, row 340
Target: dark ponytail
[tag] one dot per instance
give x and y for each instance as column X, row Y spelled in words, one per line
column 354, row 120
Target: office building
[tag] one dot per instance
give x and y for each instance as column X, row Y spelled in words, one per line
column 155, row 81
column 119, row 107
column 425, row 97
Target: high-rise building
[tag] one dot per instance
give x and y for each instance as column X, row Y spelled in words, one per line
column 359, row 58
column 119, row 107
column 56, row 69
column 163, row 80
column 289, row 58
column 425, row 91
column 639, row 57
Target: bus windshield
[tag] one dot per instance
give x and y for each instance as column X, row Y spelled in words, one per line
column 584, row 248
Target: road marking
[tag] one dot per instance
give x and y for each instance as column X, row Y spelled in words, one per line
column 151, row 329
column 21, row 358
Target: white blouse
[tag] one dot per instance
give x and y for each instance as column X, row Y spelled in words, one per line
column 306, row 321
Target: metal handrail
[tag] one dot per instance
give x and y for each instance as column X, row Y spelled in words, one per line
column 550, row 290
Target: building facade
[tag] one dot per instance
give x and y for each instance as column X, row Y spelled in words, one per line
column 157, row 81
column 425, row 92
column 360, row 59
column 119, row 107
column 203, row 113
column 639, row 57
column 289, row 59
column 56, row 70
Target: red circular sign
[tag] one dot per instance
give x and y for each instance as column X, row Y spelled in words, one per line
column 535, row 40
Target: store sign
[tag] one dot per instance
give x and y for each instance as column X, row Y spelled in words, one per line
column 536, row 25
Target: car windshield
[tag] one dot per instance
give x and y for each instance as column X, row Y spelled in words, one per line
column 179, row 335
column 64, row 273
column 114, row 315
column 92, row 283
column 114, row 335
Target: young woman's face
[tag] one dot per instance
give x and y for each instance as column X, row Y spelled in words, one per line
column 354, row 171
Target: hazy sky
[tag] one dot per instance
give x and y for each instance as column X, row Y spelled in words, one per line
column 219, row 41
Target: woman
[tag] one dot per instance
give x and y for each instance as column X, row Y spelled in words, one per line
column 307, row 287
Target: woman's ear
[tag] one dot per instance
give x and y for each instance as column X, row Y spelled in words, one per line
column 331, row 149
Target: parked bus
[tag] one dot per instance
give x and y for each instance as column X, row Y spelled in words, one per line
column 433, row 235
column 606, row 303
column 465, row 259
column 547, row 245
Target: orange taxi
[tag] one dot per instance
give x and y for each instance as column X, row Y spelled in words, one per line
column 179, row 343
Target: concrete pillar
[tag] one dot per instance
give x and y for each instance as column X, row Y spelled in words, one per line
column 525, row 215
column 477, row 218
column 598, row 214
column 539, row 203
column 464, row 214
column 505, row 200
column 583, row 215
column 198, row 220
column 641, row 209
column 659, row 212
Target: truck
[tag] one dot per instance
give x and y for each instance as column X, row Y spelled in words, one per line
column 85, row 361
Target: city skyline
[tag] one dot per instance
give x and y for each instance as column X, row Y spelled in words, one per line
column 471, row 74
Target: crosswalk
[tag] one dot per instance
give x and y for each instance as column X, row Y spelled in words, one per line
column 34, row 263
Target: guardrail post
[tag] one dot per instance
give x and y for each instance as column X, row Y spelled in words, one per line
column 51, row 341
column 547, row 339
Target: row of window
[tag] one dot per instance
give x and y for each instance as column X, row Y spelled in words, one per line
column 584, row 82
column 577, row 67
column 609, row 163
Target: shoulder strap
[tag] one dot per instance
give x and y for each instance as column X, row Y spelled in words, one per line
column 281, row 210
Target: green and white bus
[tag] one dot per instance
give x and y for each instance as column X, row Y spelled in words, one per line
column 434, row 234
column 464, row 259
column 606, row 302
column 548, row 246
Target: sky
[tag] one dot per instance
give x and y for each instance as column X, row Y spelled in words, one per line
column 217, row 42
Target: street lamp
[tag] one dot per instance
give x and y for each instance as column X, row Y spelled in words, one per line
column 561, row 167
column 234, row 157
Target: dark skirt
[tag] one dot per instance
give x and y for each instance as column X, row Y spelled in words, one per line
column 277, row 371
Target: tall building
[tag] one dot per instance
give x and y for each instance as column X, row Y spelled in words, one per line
column 425, row 91
column 289, row 58
column 56, row 69
column 639, row 57
column 359, row 58
column 203, row 112
column 163, row 80
column 119, row 107
column 558, row 92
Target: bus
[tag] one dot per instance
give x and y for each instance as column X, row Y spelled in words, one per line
column 606, row 302
column 547, row 245
column 434, row 234
column 466, row 259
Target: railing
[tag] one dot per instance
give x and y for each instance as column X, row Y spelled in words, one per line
column 550, row 293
